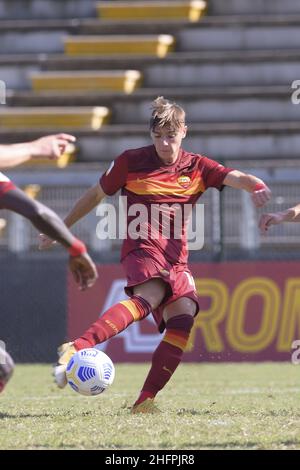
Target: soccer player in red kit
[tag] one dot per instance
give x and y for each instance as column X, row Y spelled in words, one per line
column 12, row 198
column 158, row 277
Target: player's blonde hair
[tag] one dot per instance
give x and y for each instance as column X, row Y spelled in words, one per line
column 166, row 113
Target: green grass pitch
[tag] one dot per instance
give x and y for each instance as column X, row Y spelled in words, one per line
column 205, row 406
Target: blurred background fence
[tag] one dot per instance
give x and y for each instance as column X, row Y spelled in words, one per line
column 230, row 221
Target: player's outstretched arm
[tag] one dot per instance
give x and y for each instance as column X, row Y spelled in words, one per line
column 260, row 192
column 88, row 201
column 48, row 147
column 290, row 215
column 46, row 221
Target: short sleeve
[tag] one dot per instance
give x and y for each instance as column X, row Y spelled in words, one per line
column 213, row 173
column 116, row 176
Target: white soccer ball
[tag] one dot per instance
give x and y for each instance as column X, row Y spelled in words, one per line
column 90, row 371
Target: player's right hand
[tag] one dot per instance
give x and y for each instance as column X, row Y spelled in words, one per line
column 45, row 242
column 266, row 220
column 52, row 146
column 261, row 195
column 84, row 271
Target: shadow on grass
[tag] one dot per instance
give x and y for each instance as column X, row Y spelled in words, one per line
column 25, row 415
column 58, row 414
column 236, row 445
column 260, row 414
column 195, row 412
column 224, row 445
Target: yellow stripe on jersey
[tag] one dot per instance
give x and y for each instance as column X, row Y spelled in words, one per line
column 153, row 186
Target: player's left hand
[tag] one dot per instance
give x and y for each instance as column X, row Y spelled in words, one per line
column 261, row 195
column 84, row 271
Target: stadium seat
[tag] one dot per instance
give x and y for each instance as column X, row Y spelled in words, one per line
column 145, row 10
column 54, row 118
column 157, row 45
column 114, row 80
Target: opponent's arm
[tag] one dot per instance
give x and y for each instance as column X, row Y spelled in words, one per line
column 261, row 194
column 41, row 217
column 290, row 215
column 46, row 221
column 88, row 201
column 49, row 147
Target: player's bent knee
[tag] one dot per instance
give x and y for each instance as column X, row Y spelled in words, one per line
column 180, row 322
column 182, row 306
column 192, row 307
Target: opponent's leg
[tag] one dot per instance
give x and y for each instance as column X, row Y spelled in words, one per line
column 179, row 317
column 6, row 368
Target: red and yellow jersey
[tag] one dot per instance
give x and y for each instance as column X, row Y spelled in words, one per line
column 160, row 197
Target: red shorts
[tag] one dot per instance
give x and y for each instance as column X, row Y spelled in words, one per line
column 141, row 266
